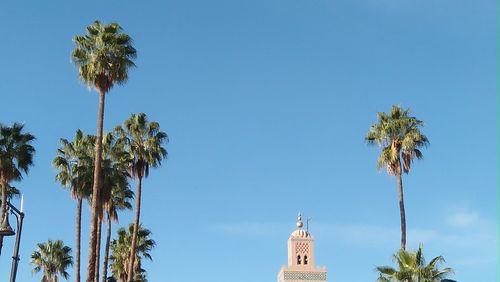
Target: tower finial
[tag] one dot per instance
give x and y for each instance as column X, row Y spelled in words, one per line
column 299, row 221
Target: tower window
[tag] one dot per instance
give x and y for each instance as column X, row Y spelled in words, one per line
column 298, row 259
column 305, row 259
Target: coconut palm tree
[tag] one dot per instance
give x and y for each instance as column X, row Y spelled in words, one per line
column 74, row 163
column 399, row 136
column 120, row 254
column 143, row 140
column 103, row 57
column 412, row 267
column 52, row 258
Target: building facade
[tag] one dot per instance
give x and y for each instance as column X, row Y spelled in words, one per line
column 301, row 267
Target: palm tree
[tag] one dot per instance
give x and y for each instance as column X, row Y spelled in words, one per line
column 16, row 157
column 120, row 254
column 52, row 258
column 411, row 267
column 143, row 141
column 399, row 135
column 116, row 193
column 103, row 57
column 74, row 163
column 119, row 200
column 113, row 173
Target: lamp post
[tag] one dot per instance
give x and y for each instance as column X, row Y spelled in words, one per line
column 6, row 230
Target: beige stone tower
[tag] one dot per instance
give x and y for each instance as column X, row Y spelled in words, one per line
column 301, row 258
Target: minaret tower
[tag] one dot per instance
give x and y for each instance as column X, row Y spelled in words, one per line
column 301, row 258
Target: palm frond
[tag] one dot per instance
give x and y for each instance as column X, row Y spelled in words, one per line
column 400, row 137
column 103, row 55
column 411, row 266
column 52, row 258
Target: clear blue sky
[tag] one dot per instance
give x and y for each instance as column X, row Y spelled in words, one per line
column 266, row 103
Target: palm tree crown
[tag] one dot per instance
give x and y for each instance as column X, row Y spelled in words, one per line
column 412, row 267
column 16, row 157
column 143, row 141
column 114, row 174
column 74, row 163
column 103, row 56
column 52, row 258
column 400, row 138
column 120, row 250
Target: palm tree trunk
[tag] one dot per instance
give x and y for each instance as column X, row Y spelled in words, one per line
column 4, row 200
column 78, row 238
column 95, row 191
column 4, row 208
column 98, row 250
column 136, row 229
column 402, row 211
column 106, row 251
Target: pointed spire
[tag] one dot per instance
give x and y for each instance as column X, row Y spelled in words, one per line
column 299, row 221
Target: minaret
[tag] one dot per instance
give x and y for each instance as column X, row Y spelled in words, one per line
column 301, row 258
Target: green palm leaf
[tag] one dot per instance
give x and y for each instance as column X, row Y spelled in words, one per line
column 411, row 267
column 16, row 157
column 120, row 250
column 52, row 258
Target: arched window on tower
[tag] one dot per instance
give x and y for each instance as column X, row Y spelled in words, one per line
column 305, row 259
column 298, row 259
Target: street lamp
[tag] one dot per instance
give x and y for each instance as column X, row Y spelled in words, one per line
column 6, row 230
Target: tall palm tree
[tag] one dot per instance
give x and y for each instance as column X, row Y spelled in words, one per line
column 114, row 174
column 143, row 140
column 399, row 135
column 103, row 57
column 412, row 267
column 119, row 200
column 16, row 157
column 52, row 258
column 120, row 254
column 116, row 193
column 74, row 163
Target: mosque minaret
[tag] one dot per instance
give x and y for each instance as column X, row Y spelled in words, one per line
column 301, row 266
